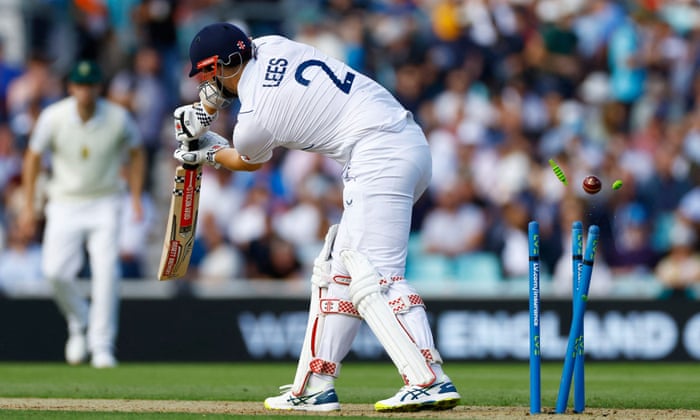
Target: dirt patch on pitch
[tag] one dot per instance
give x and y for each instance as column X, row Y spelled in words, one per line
column 365, row 410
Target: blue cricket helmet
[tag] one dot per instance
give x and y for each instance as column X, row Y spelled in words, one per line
column 226, row 41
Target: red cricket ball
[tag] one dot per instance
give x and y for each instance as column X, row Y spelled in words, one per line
column 591, row 184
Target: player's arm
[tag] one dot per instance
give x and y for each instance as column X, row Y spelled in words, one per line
column 31, row 166
column 255, row 142
column 136, row 175
column 230, row 159
column 253, row 145
column 135, row 165
column 137, row 170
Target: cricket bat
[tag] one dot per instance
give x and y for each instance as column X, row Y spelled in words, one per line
column 182, row 220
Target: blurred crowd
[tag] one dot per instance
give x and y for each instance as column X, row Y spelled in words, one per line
column 500, row 87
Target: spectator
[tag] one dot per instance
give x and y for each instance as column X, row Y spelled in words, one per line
column 8, row 72
column 455, row 225
column 573, row 209
column 20, row 251
column 627, row 61
column 552, row 51
column 222, row 195
column 252, row 224
column 154, row 23
column 141, row 90
column 633, row 251
column 20, row 263
column 221, row 262
column 275, row 259
column 29, row 93
column 304, row 223
column 10, row 156
column 679, row 270
column 134, row 236
column 515, row 215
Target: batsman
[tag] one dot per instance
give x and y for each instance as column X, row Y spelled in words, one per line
column 294, row 96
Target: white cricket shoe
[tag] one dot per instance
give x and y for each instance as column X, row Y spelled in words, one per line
column 76, row 349
column 324, row 400
column 103, row 360
column 441, row 395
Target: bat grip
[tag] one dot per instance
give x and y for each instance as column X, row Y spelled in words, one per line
column 191, row 146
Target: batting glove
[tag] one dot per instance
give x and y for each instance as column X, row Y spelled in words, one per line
column 321, row 273
column 192, row 122
column 209, row 144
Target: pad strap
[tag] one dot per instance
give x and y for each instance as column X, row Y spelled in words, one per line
column 339, row 306
column 383, row 282
column 402, row 304
column 399, row 305
column 432, row 355
column 324, row 367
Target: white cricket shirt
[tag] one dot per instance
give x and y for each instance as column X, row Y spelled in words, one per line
column 86, row 157
column 294, row 96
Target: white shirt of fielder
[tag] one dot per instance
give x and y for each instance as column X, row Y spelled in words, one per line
column 86, row 157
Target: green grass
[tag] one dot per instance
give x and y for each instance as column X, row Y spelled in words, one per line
column 608, row 385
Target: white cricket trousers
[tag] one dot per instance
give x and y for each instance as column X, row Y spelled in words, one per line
column 386, row 174
column 71, row 226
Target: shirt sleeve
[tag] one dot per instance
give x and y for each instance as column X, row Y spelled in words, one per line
column 42, row 133
column 253, row 142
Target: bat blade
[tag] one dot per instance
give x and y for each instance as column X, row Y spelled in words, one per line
column 182, row 223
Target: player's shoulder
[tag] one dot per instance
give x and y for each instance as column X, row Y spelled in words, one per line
column 60, row 110
column 268, row 40
column 276, row 45
column 113, row 109
column 60, row 105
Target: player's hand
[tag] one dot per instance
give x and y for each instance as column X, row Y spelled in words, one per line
column 192, row 122
column 321, row 273
column 209, row 144
column 27, row 221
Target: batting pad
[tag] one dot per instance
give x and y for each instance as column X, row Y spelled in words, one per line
column 308, row 363
column 367, row 297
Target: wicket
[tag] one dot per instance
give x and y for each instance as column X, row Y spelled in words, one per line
column 582, row 268
column 576, row 260
column 533, row 232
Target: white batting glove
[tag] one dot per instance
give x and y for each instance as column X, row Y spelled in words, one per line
column 192, row 122
column 321, row 273
column 209, row 144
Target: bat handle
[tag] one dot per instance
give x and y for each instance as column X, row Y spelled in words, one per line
column 191, row 146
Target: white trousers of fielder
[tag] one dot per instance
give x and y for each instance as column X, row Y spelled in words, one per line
column 70, row 226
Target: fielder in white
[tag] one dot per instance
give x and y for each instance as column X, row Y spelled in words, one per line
column 296, row 97
column 88, row 139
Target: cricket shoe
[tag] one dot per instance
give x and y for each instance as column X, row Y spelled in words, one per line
column 324, row 400
column 440, row 395
column 103, row 360
column 76, row 349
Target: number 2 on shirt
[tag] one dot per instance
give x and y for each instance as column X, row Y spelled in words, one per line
column 344, row 86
